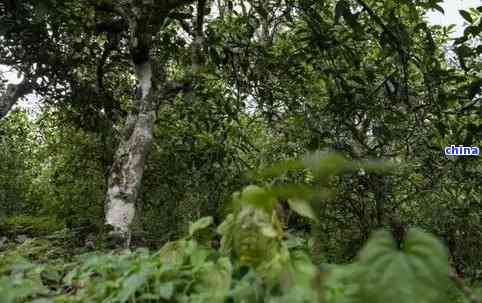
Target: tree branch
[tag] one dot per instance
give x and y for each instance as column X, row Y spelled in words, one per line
column 197, row 55
column 394, row 40
column 12, row 94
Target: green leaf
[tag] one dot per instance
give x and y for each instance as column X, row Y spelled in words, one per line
column 282, row 167
column 216, row 277
column 460, row 40
column 439, row 8
column 298, row 191
column 51, row 276
column 258, row 197
column 268, row 231
column 302, row 208
column 472, row 30
column 451, row 27
column 325, row 165
column 131, row 285
column 173, row 253
column 198, row 257
column 418, row 273
column 166, row 290
column 200, row 224
column 463, row 51
column 466, row 15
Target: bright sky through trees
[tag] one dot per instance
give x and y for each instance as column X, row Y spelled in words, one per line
column 452, row 16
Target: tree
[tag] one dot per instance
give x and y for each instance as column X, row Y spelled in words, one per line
column 248, row 83
column 136, row 24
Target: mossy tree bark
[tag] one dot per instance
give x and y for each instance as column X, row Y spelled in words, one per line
column 144, row 20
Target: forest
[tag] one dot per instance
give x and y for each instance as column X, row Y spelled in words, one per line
column 239, row 151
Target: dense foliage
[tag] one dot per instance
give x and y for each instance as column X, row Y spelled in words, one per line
column 244, row 269
column 297, row 152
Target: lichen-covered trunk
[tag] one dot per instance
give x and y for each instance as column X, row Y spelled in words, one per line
column 128, row 167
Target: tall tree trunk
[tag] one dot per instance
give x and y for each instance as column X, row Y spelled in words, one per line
column 128, row 167
column 144, row 21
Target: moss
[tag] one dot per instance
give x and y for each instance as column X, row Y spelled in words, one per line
column 30, row 225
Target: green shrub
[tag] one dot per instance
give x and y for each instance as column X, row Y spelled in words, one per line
column 188, row 271
column 30, row 225
column 255, row 261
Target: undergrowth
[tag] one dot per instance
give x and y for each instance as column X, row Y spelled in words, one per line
column 258, row 268
column 250, row 257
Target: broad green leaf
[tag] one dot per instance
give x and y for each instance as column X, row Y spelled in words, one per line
column 258, row 197
column 131, row 285
column 199, row 256
column 376, row 166
column 166, row 290
column 14, row 289
column 282, row 167
column 466, row 15
column 417, row 273
column 472, row 30
column 303, row 192
column 439, row 8
column 200, row 224
column 51, row 276
column 463, row 51
column 325, row 165
column 303, row 208
column 173, row 253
